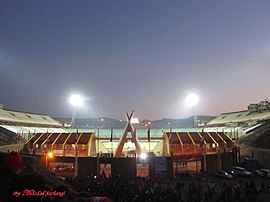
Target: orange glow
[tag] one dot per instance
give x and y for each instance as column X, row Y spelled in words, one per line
column 50, row 155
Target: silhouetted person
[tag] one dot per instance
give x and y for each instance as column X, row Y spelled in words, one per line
column 9, row 170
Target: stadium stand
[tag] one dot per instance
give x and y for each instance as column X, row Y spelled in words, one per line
column 7, row 137
column 41, row 133
column 40, row 136
column 241, row 123
column 18, row 127
column 189, row 143
column 9, row 117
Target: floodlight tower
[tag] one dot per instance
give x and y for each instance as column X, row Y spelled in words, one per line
column 76, row 101
column 192, row 101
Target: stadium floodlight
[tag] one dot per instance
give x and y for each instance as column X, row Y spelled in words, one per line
column 76, row 101
column 192, row 99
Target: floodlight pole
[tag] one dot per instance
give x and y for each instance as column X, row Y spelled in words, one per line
column 204, row 160
column 148, row 138
column 74, row 112
column 149, row 146
column 76, row 155
column 46, row 160
column 112, row 143
column 204, row 155
column 98, row 160
column 195, row 119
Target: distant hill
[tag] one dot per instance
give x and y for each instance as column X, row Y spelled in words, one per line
column 180, row 123
column 105, row 122
column 102, row 122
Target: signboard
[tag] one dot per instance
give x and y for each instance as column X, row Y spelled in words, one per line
column 161, row 165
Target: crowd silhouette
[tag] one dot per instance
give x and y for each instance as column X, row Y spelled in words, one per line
column 20, row 183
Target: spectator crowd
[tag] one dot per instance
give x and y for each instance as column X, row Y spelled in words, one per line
column 15, row 179
column 184, row 188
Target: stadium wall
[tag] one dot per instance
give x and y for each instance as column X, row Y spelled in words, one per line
column 261, row 155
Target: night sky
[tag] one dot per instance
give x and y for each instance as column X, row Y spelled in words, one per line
column 134, row 55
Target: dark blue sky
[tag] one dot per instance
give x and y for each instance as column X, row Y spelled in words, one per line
column 133, row 55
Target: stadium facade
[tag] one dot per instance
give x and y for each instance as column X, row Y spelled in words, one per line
column 41, row 133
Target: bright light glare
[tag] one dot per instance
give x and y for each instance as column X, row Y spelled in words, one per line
column 76, row 100
column 192, row 99
column 143, row 156
column 50, row 155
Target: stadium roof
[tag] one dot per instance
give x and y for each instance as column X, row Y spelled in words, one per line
column 14, row 117
column 239, row 117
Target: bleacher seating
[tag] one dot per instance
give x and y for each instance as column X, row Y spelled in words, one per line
column 6, row 140
column 239, row 117
column 240, row 123
column 7, row 137
column 9, row 117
